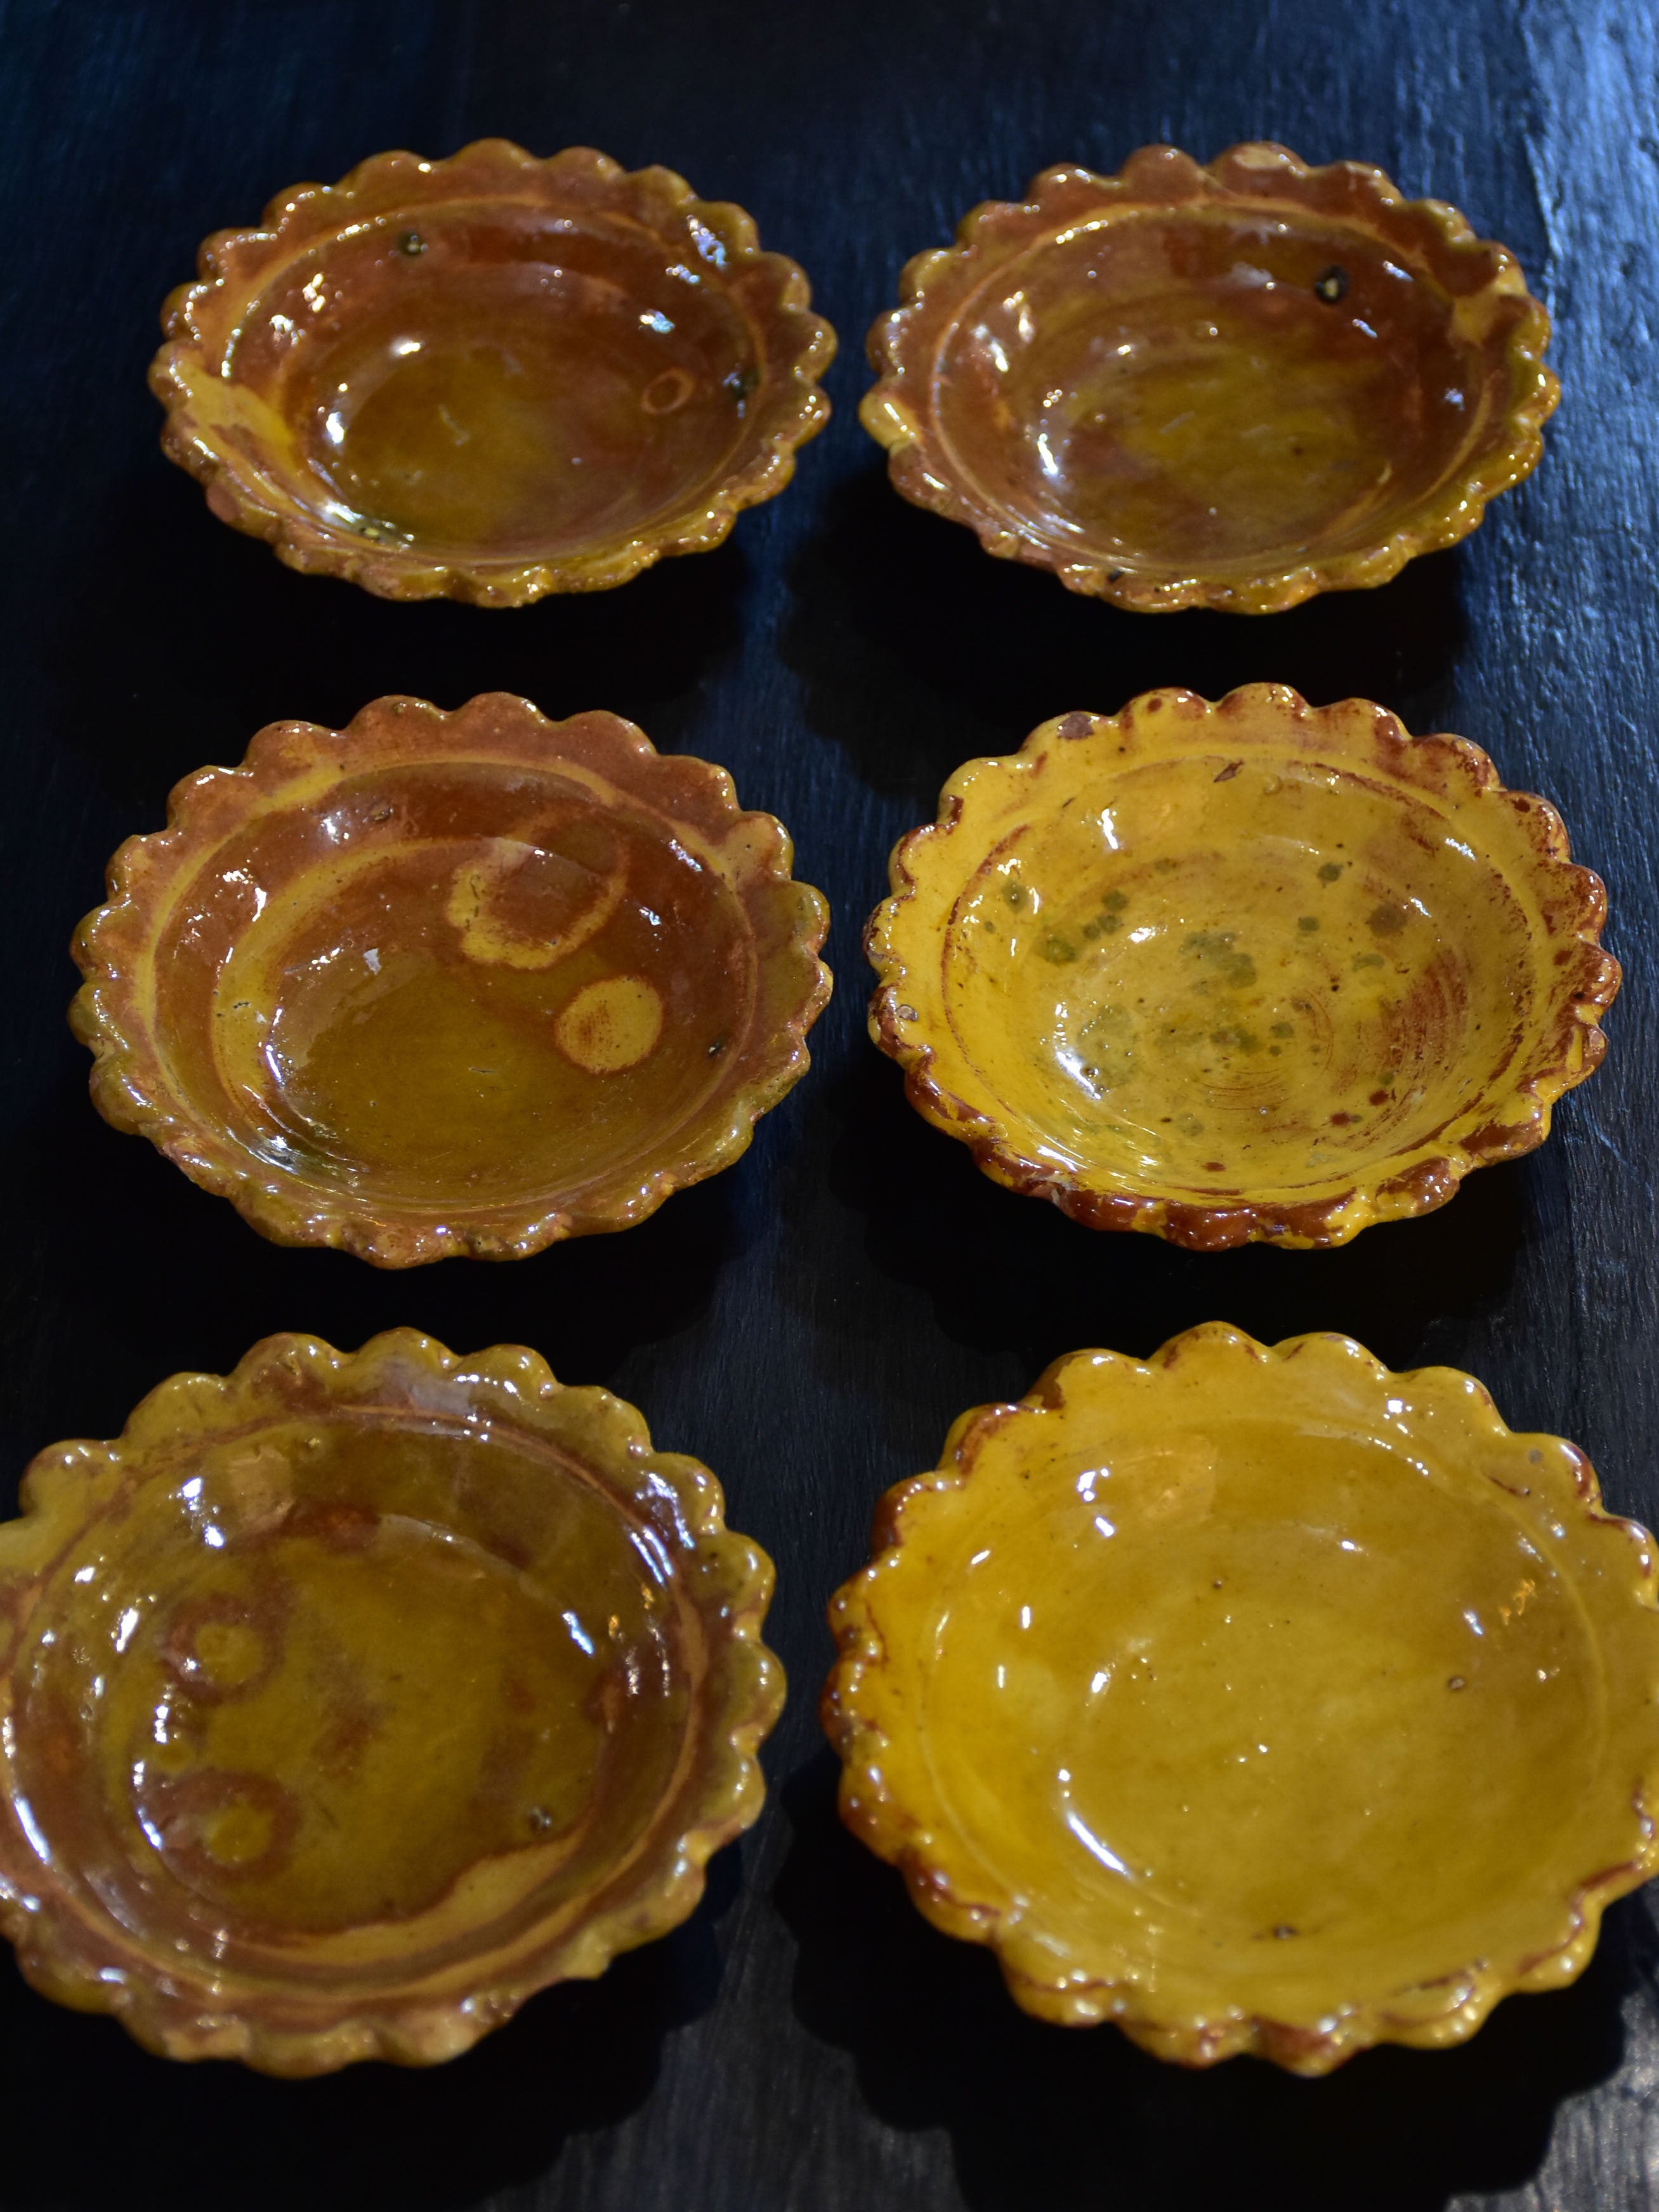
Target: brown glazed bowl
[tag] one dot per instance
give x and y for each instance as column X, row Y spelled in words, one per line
column 349, row 1699
column 1257, row 1699
column 490, row 377
column 1227, row 386
column 1256, row 970
column 451, row 983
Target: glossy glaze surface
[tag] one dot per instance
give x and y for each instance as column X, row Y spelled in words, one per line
column 1232, row 386
column 1256, row 1699
column 451, row 982
column 491, row 376
column 1248, row 970
column 347, row 1700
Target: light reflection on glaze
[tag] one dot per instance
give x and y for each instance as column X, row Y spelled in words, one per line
column 1176, row 390
column 536, row 391
column 1342, row 1708
column 378, row 1655
column 1174, row 1689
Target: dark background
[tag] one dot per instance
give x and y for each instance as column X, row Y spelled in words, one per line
column 809, row 1322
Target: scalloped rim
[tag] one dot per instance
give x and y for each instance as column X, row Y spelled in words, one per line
column 951, row 1887
column 937, row 287
column 902, row 940
column 116, row 944
column 175, row 2009
column 203, row 321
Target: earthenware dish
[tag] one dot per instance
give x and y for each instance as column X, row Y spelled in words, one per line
column 490, row 377
column 451, row 983
column 1225, row 386
column 348, row 1699
column 1253, row 970
column 1258, row 1701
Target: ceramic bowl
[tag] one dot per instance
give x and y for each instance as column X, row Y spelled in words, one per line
column 451, row 983
column 349, row 1699
column 1258, row 1701
column 490, row 377
column 1256, row 970
column 1229, row 386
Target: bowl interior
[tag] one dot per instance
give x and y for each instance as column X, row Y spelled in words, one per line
column 453, row 984
column 1208, row 390
column 496, row 380
column 1276, row 1695
column 1215, row 978
column 225, row 1729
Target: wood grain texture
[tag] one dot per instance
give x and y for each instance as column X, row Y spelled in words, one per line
column 809, row 1322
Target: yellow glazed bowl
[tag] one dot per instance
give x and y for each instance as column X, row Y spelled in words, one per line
column 451, row 983
column 1257, row 1700
column 490, row 377
column 1254, row 969
column 349, row 1699
column 1229, row 386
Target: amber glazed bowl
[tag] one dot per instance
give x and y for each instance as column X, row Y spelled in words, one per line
column 451, row 983
column 490, row 377
column 1256, row 970
column 1258, row 1701
column 1229, row 386
column 349, row 1699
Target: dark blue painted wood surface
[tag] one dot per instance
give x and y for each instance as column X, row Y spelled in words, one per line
column 810, row 1323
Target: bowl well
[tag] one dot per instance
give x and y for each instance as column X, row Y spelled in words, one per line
column 444, row 983
column 348, row 1699
column 1229, row 386
column 491, row 376
column 1254, row 969
column 1256, row 1699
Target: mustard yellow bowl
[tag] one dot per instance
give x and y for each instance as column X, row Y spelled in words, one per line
column 442, row 983
column 1230, row 386
column 1254, row 969
column 1256, row 1700
column 348, row 1699
column 490, row 377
